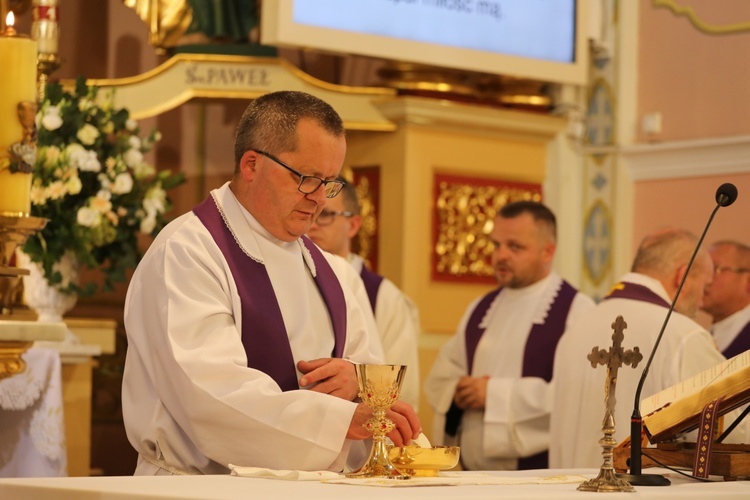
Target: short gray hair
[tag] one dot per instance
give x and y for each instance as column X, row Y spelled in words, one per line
column 269, row 123
column 664, row 250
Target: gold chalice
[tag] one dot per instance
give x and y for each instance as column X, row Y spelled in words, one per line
column 379, row 388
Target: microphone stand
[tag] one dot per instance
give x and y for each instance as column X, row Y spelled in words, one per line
column 636, row 477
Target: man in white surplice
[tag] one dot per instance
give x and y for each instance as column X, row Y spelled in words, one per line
column 490, row 385
column 241, row 333
column 642, row 297
column 396, row 316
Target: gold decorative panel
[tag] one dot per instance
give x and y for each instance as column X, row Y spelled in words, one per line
column 464, row 213
column 367, row 183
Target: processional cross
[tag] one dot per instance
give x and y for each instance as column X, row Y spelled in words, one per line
column 613, row 359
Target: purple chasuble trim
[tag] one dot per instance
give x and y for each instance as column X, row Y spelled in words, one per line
column 372, row 283
column 633, row 291
column 539, row 351
column 264, row 334
column 539, row 355
column 740, row 344
column 333, row 295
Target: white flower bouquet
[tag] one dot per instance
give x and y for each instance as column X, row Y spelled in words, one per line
column 92, row 182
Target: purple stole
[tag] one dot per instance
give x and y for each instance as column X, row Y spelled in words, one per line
column 633, row 291
column 539, row 353
column 538, row 356
column 740, row 344
column 264, row 335
column 372, row 283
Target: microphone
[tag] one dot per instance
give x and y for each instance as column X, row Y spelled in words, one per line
column 725, row 196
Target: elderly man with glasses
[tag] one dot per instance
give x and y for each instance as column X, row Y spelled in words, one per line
column 242, row 334
column 727, row 298
column 396, row 316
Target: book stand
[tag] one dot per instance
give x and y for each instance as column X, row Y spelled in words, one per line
column 730, row 461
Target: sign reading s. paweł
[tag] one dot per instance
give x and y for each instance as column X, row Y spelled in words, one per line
column 188, row 76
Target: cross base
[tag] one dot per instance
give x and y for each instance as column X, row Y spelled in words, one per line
column 606, row 481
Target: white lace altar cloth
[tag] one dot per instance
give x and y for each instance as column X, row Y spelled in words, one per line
column 32, row 427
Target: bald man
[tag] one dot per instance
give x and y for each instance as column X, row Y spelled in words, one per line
column 642, row 298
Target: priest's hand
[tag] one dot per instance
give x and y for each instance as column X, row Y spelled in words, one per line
column 471, row 392
column 402, row 414
column 333, row 376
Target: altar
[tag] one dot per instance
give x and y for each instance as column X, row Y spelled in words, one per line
column 226, row 487
column 75, row 372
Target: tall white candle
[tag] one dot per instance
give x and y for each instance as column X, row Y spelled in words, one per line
column 45, row 28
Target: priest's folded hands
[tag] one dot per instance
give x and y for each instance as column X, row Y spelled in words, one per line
column 338, row 377
column 401, row 414
column 334, row 376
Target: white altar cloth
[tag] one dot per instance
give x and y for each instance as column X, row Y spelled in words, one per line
column 32, row 426
column 226, row 487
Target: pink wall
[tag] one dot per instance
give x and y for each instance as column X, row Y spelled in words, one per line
column 688, row 203
column 699, row 82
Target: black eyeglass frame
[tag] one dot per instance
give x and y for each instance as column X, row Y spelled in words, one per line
column 332, row 214
column 336, row 184
column 727, row 269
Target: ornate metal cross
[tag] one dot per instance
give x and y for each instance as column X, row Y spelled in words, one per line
column 613, row 358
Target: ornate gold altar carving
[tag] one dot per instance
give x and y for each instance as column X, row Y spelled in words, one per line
column 11, row 362
column 700, row 24
column 14, row 230
column 465, row 208
column 484, row 88
column 172, row 23
column 167, row 20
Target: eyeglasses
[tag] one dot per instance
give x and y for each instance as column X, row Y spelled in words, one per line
column 308, row 184
column 725, row 269
column 325, row 218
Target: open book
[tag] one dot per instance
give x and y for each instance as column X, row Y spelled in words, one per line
column 677, row 409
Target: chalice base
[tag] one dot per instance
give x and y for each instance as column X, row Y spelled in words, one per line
column 378, row 464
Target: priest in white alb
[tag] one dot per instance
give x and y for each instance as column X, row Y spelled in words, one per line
column 242, row 334
column 490, row 386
